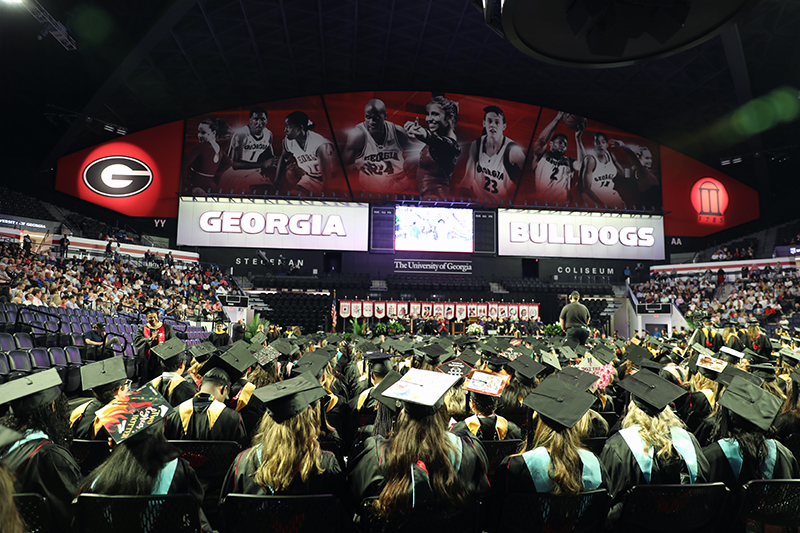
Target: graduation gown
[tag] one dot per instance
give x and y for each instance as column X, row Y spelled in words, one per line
column 43, row 467
column 219, row 339
column 709, row 338
column 367, row 471
column 204, row 418
column 723, row 456
column 240, row 478
column 82, row 419
column 173, row 388
column 489, row 428
column 248, row 406
column 337, row 412
column 149, row 367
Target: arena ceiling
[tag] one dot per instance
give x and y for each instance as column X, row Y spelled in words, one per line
column 140, row 63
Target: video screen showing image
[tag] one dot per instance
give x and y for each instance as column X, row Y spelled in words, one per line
column 433, row 229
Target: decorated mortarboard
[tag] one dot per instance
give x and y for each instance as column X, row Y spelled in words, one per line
column 577, row 378
column 258, row 339
column 751, row 402
column 235, row 361
column 287, row 399
column 7, row 436
column 456, row 367
column 137, row 411
column 765, row 371
column 707, row 365
column 729, row 372
column 379, row 362
column 266, row 355
column 651, row 392
column 377, row 392
column 30, row 392
column 471, row 357
column 550, row 360
column 488, row 384
column 421, row 391
column 170, row 349
column 103, row 374
column 202, row 351
column 559, row 404
column 285, row 347
column 525, row 369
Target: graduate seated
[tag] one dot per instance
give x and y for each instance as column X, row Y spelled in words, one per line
column 484, row 423
column 171, row 383
column 108, row 381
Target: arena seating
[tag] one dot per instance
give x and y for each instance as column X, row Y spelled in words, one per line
column 325, row 282
column 20, row 205
column 307, row 310
column 444, row 282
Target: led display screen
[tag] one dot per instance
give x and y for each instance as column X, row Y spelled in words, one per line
column 433, row 229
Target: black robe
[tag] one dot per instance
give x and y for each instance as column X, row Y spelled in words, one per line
column 227, row 425
column 367, row 471
column 786, row 467
column 241, row 400
column 240, row 478
column 492, row 427
column 219, row 339
column 82, row 421
column 148, row 367
column 786, row 424
column 174, row 388
column 45, row 468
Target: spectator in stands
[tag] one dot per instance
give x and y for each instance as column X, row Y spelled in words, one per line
column 27, row 242
column 94, row 340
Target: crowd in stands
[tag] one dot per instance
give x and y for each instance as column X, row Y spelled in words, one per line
column 725, row 253
column 770, row 295
column 182, row 292
column 92, row 229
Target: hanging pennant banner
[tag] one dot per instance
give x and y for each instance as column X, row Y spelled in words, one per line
column 438, row 309
column 450, row 310
column 492, row 310
column 366, row 309
column 523, row 312
column 402, row 309
column 355, row 309
column 461, row 311
column 391, row 309
column 380, row 309
column 513, row 310
column 482, row 310
column 415, row 308
column 344, row 308
column 502, row 310
column 427, row 309
column 533, row 312
column 472, row 310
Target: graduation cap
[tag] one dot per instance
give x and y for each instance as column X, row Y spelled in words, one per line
column 751, row 402
column 636, row 354
column 312, row 364
column 334, row 339
column 102, row 375
column 651, row 392
column 28, row 393
column 203, row 351
column 455, row 367
column 487, row 349
column 170, row 349
column 287, row 399
column 559, row 404
column 285, row 347
column 421, row 391
column 379, row 362
column 571, row 344
column 433, row 353
column 377, row 392
column 789, row 356
column 726, row 376
column 732, row 353
column 550, row 360
column 496, row 363
column 699, row 348
column 603, row 354
column 403, row 346
column 235, row 361
column 266, row 355
column 501, row 345
column 366, row 347
column 139, row 410
column 522, row 350
column 577, row 378
column 525, row 370
column 751, row 356
column 488, row 384
column 765, row 371
column 258, row 339
column 775, row 343
column 566, row 352
column 652, row 366
column 471, row 357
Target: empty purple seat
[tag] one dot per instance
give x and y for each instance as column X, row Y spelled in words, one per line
column 20, row 361
column 24, row 341
column 7, row 342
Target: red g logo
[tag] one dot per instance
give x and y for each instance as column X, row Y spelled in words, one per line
column 710, row 200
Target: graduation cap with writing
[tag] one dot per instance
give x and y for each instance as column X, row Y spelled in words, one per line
column 169, row 350
column 258, row 339
column 751, row 403
column 730, row 371
column 421, row 391
column 488, row 384
column 651, row 392
column 287, row 399
column 203, row 351
column 28, row 393
column 266, row 355
column 235, row 361
column 377, row 392
column 433, row 353
column 559, row 404
column 103, row 375
column 525, row 370
column 455, row 367
column 379, row 362
column 577, row 378
column 471, row 357
column 139, row 410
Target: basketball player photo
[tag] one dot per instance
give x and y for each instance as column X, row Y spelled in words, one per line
column 555, row 172
column 251, row 155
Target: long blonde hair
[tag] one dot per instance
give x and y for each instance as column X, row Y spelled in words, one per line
column 654, row 430
column 288, row 449
column 566, row 469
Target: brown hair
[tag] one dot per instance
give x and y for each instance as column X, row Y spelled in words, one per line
column 566, row 470
column 10, row 521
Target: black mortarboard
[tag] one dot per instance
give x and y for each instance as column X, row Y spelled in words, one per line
column 312, row 364
column 287, row 399
column 366, row 347
column 775, row 343
column 202, row 351
column 258, row 339
column 28, row 393
column 652, row 366
column 501, row 344
column 603, row 354
column 235, row 361
column 731, row 355
column 101, row 375
column 421, row 391
column 471, row 357
column 699, row 348
column 522, row 350
column 559, row 404
column 285, row 347
column 751, row 402
column 377, row 392
column 139, row 410
column 496, row 363
column 577, row 378
column 789, row 356
column 403, row 346
column 456, row 367
column 765, row 371
column 636, row 354
column 751, row 356
column 379, row 362
column 525, row 370
column 729, row 372
column 550, row 360
column 571, row 344
column 487, row 349
column 650, row 392
column 334, row 339
column 169, row 349
column 433, row 353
